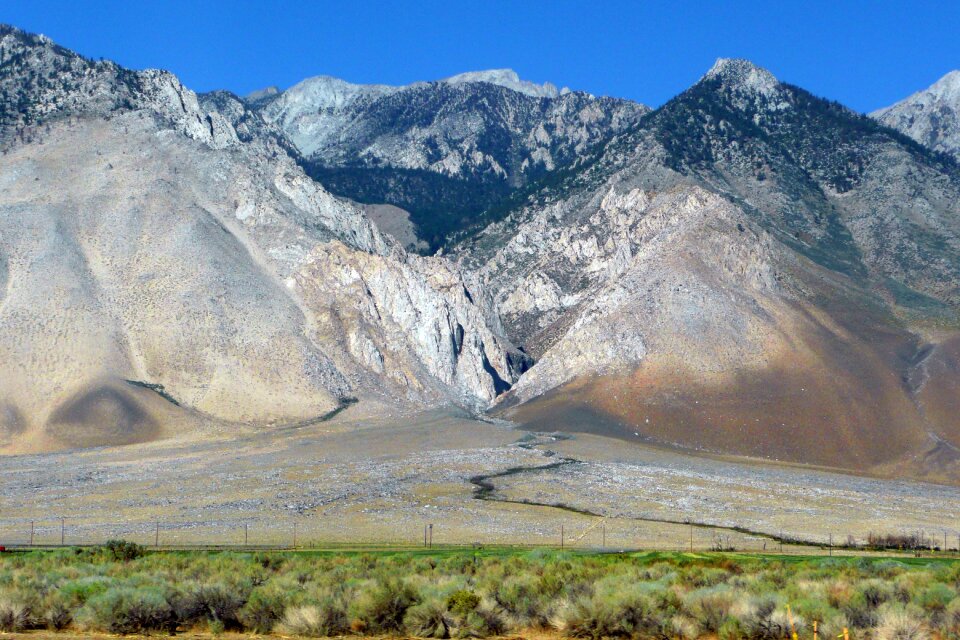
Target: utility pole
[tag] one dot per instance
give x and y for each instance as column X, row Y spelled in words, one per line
column 294, row 535
column 156, row 536
column 561, row 536
column 246, row 537
column 31, row 533
column 781, row 541
column 831, row 544
column 603, row 529
column 63, row 526
column 424, row 536
column 431, row 535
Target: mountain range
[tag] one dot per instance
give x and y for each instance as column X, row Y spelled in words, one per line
column 748, row 269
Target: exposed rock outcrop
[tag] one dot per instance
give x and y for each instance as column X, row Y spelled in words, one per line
column 931, row 117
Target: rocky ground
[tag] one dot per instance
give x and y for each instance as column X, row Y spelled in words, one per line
column 363, row 478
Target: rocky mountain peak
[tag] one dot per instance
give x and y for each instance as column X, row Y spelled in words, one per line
column 742, row 76
column 506, row 78
column 947, row 87
column 264, row 94
column 40, row 80
column 931, row 117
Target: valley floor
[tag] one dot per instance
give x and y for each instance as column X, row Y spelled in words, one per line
column 364, row 478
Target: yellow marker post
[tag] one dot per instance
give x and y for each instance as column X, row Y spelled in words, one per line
column 793, row 629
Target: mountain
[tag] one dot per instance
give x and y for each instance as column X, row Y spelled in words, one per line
column 747, row 270
column 158, row 275
column 450, row 153
column 931, row 117
column 750, row 270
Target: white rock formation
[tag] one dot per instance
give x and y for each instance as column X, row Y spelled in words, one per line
column 931, row 117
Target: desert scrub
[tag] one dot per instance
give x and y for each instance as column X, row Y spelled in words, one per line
column 263, row 609
column 469, row 593
column 14, row 613
column 383, row 606
column 324, row 617
column 899, row 623
column 125, row 610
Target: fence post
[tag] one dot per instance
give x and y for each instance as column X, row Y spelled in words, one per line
column 63, row 526
column 561, row 536
column 156, row 536
column 31, row 533
column 245, row 535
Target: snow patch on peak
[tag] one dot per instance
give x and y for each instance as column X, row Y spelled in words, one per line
column 507, row 78
column 743, row 75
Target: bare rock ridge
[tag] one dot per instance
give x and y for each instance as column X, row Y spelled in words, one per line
column 931, row 117
column 42, row 80
column 508, row 78
column 139, row 244
column 450, row 152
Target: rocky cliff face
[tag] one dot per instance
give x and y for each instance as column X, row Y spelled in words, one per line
column 931, row 117
column 41, row 81
column 159, row 276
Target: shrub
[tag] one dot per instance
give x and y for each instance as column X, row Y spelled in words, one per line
column 427, row 620
column 876, row 592
column 325, row 618
column 210, row 603
column 899, row 624
column 521, row 598
column 710, row 607
column 75, row 593
column 382, row 608
column 483, row 621
column 833, row 626
column 263, row 610
column 684, row 628
column 608, row 616
column 462, row 602
column 14, row 615
column 936, row 597
column 732, row 629
column 122, row 550
column 57, row 613
column 126, row 610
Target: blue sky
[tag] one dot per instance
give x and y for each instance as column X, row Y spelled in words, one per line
column 863, row 54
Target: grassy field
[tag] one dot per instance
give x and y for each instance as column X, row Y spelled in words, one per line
column 463, row 592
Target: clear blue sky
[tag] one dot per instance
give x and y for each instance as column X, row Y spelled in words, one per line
column 864, row 54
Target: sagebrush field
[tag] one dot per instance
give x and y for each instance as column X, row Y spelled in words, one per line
column 120, row 588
